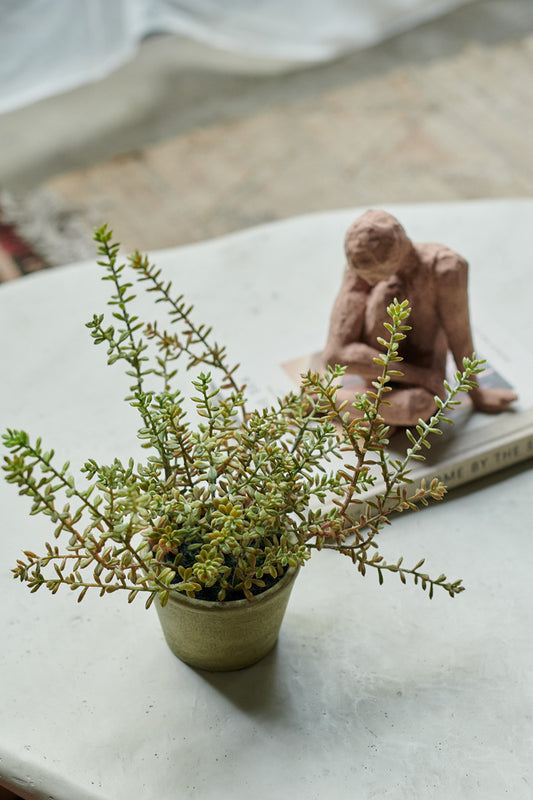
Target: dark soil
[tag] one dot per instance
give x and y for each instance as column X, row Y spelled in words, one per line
column 210, row 593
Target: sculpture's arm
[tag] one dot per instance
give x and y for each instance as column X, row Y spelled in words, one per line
column 344, row 345
column 452, row 289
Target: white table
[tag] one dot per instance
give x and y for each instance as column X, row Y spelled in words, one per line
column 371, row 692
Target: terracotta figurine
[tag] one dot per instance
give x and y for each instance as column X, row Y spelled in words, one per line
column 383, row 264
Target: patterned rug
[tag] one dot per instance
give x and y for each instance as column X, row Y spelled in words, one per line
column 17, row 256
column 38, row 231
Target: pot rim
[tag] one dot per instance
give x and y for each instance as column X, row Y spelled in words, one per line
column 228, row 605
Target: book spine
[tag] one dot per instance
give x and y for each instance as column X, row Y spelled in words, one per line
column 495, row 458
column 463, row 470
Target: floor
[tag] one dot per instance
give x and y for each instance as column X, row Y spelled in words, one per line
column 183, row 144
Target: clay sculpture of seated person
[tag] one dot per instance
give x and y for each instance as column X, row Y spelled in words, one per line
column 383, row 264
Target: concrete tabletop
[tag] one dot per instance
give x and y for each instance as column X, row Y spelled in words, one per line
column 371, row 691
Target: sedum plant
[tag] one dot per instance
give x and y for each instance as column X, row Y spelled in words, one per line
column 228, row 498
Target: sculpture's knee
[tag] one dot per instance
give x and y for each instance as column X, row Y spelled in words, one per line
column 420, row 405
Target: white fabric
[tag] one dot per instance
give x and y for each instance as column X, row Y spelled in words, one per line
column 49, row 46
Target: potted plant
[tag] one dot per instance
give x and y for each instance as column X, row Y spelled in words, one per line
column 227, row 507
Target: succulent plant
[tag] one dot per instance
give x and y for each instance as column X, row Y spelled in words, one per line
column 228, row 497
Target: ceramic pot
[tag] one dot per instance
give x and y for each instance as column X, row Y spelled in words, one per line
column 224, row 636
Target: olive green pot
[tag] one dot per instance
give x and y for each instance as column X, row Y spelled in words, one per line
column 229, row 635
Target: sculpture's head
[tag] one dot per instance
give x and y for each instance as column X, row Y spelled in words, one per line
column 376, row 246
